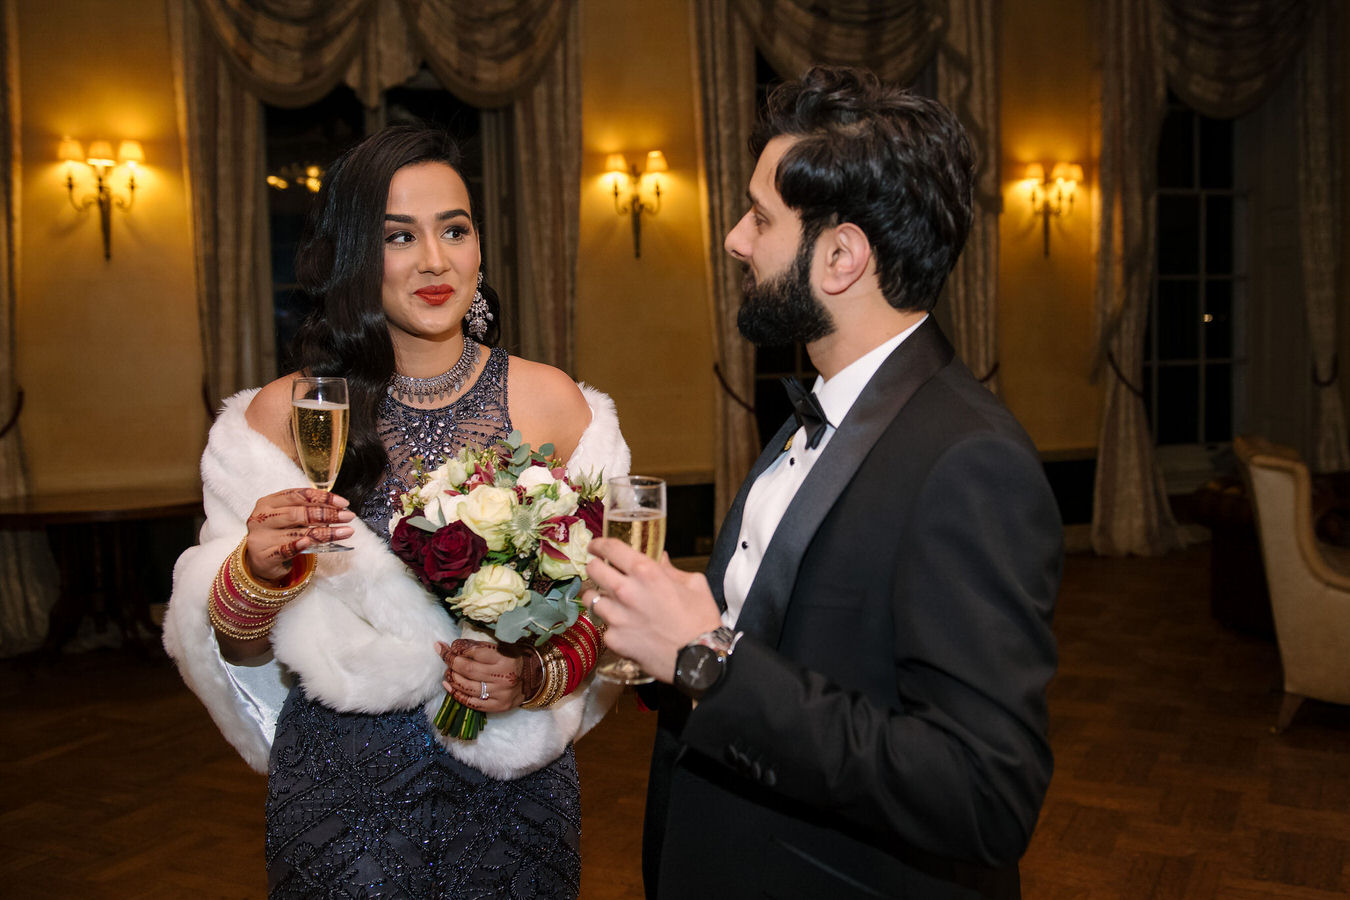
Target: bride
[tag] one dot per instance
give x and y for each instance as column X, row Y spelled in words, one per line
column 325, row 676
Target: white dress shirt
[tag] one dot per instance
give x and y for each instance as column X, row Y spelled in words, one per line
column 774, row 489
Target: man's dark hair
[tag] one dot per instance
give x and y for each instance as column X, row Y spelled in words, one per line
column 896, row 164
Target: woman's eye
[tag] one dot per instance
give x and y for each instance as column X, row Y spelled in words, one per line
column 398, row 237
column 457, row 232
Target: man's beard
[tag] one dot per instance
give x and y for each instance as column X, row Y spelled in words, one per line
column 782, row 311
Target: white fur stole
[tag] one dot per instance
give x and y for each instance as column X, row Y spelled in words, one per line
column 361, row 637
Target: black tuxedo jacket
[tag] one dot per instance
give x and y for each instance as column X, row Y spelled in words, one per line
column 881, row 727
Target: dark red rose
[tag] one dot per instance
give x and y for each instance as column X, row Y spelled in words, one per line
column 592, row 512
column 409, row 542
column 454, row 554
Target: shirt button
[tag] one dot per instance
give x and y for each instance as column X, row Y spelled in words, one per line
column 792, row 460
column 745, row 545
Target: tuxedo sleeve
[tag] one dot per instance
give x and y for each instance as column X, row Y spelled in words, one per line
column 957, row 761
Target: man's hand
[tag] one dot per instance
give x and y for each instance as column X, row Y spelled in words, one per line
column 652, row 609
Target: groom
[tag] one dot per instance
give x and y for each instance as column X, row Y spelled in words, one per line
column 858, row 703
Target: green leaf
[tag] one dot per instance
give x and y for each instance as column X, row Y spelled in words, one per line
column 423, row 523
column 546, row 451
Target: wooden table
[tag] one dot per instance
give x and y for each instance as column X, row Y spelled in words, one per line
column 100, row 540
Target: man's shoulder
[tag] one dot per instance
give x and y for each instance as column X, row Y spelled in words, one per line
column 953, row 406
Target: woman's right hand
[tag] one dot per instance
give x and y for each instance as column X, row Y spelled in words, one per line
column 285, row 523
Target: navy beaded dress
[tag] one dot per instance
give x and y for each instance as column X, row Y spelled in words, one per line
column 372, row 805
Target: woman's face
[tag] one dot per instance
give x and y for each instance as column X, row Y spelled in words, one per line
column 431, row 253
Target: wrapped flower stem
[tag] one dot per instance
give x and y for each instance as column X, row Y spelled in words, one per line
column 456, row 720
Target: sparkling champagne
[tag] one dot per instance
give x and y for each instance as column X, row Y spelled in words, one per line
column 642, row 529
column 320, row 428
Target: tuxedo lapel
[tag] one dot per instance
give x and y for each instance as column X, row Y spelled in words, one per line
column 731, row 525
column 916, row 360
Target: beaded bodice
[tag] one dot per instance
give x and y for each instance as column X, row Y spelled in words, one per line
column 477, row 418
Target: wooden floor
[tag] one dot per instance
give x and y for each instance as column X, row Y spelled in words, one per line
column 1168, row 783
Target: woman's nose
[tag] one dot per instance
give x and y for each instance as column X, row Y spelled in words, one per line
column 434, row 258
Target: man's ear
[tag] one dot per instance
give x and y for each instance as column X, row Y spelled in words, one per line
column 847, row 257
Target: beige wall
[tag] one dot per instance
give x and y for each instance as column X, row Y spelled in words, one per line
column 108, row 352
column 1045, row 303
column 643, row 324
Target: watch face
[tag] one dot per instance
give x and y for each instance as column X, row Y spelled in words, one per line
column 698, row 667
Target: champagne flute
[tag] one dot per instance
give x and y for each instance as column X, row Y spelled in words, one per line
column 635, row 513
column 319, row 411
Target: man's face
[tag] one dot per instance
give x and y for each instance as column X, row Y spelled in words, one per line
column 780, row 305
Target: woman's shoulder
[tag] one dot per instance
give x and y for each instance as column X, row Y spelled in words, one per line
column 269, row 412
column 546, row 405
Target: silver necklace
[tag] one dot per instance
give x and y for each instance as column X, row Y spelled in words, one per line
column 423, row 390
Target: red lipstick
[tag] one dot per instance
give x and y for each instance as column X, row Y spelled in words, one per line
column 435, row 294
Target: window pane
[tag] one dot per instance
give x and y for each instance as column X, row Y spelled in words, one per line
column 1218, row 402
column 1218, row 235
column 1176, row 162
column 1178, row 404
column 1216, row 153
column 771, row 406
column 1218, row 320
column 1178, row 235
column 775, row 360
column 1178, row 320
column 289, row 308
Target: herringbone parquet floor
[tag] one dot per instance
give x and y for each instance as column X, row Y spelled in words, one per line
column 114, row 783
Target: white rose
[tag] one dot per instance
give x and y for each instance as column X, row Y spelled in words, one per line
column 442, row 508
column 489, row 592
column 534, row 479
column 450, row 473
column 578, row 538
column 565, row 505
column 487, row 511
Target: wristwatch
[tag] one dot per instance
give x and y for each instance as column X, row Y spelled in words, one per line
column 702, row 662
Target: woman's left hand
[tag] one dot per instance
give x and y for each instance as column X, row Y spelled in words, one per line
column 475, row 668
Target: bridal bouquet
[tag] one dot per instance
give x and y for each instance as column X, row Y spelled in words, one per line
column 500, row 535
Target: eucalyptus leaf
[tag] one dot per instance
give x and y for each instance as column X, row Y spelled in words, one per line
column 546, row 451
column 423, row 523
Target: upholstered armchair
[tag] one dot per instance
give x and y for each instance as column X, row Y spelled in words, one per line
column 1309, row 580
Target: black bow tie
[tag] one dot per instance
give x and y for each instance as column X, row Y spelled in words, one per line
column 807, row 410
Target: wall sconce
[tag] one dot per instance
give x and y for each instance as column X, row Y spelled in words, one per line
column 1052, row 196
column 102, row 162
column 617, row 166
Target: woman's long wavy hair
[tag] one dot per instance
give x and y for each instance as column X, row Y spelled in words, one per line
column 340, row 267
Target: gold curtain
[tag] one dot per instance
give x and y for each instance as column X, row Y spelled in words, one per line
column 489, row 52
column 27, row 572
column 1222, row 57
column 726, row 111
column 968, row 80
column 221, row 130
column 288, row 52
column 1319, row 196
column 1130, row 510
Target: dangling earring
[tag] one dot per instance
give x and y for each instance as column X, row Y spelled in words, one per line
column 479, row 314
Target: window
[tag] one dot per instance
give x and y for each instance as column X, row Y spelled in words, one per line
column 1194, row 346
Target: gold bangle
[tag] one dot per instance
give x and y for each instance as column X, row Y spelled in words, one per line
column 266, row 595
column 229, row 629
column 554, row 681
column 528, row 702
